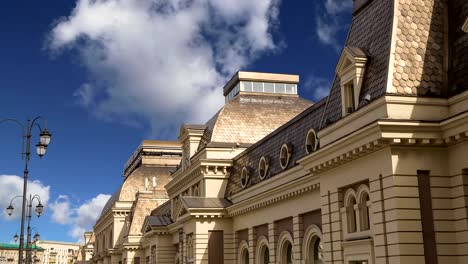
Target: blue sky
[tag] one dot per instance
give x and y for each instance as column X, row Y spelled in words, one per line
column 108, row 74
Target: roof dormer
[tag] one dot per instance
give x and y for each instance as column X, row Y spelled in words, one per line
column 351, row 68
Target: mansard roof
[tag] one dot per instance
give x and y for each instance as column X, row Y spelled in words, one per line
column 370, row 36
column 414, row 68
column 136, row 181
column 248, row 118
column 163, row 209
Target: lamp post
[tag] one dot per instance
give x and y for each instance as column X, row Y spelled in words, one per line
column 39, row 210
column 41, row 147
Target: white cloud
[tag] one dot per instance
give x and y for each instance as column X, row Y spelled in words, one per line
column 330, row 21
column 82, row 217
column 318, row 86
column 12, row 186
column 326, row 32
column 61, row 211
column 334, row 7
column 163, row 61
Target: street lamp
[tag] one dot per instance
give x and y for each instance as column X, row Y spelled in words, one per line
column 37, row 237
column 39, row 209
column 15, row 237
column 44, row 140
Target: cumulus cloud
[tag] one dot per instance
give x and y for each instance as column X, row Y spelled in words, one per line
column 12, row 186
column 81, row 217
column 318, row 86
column 61, row 211
column 330, row 21
column 334, row 7
column 162, row 62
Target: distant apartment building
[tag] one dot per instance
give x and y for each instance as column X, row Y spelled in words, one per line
column 56, row 252
column 9, row 253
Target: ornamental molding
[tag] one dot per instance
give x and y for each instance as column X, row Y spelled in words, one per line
column 297, row 188
column 429, row 136
column 202, row 167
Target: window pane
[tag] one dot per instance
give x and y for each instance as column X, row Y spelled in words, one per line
column 246, row 86
column 279, row 87
column 289, row 88
column 269, row 87
column 258, row 87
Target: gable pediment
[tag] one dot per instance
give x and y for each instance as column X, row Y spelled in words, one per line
column 352, row 58
column 351, row 68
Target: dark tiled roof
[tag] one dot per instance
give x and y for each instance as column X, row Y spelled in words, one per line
column 293, row 132
column 159, row 220
column 164, row 209
column 371, row 32
column 459, row 41
column 249, row 118
column 136, row 182
column 115, row 196
column 204, row 202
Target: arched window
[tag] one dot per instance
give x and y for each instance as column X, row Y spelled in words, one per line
column 244, row 177
column 351, row 215
column 285, row 155
column 285, row 248
column 243, row 256
column 313, row 247
column 364, row 207
column 195, row 191
column 351, row 207
column 190, row 247
column 311, row 141
column 263, row 252
column 263, row 167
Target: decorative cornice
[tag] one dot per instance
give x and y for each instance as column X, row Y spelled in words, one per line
column 244, row 207
column 197, row 168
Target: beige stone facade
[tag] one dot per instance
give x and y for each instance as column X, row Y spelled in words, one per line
column 56, row 252
column 117, row 233
column 374, row 173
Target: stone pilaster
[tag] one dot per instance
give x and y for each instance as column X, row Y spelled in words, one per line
column 252, row 244
column 298, row 231
column 272, row 239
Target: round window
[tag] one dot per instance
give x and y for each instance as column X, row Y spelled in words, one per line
column 244, row 177
column 263, row 167
column 312, row 141
column 285, row 155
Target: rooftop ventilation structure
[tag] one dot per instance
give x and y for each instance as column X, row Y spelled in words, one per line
column 257, row 83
